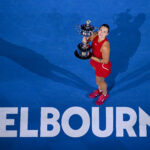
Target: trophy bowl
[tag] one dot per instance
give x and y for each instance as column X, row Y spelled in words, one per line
column 83, row 49
column 83, row 52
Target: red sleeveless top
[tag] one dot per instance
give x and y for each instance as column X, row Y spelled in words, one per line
column 96, row 46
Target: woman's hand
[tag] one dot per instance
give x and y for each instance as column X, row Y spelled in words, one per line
column 84, row 40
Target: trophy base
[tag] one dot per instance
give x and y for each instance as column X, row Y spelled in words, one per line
column 82, row 57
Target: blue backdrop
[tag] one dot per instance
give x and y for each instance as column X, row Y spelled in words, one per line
column 38, row 67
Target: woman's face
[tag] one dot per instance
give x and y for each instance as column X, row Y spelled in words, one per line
column 102, row 32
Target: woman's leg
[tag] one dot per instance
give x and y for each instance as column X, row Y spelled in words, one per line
column 102, row 85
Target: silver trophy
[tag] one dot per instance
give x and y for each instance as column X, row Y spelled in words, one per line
column 83, row 50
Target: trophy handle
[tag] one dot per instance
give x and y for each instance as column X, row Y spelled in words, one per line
column 77, row 28
column 91, row 32
column 96, row 28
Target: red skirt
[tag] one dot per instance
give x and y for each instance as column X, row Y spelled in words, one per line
column 101, row 70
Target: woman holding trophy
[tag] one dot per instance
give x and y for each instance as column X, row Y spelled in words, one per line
column 100, row 61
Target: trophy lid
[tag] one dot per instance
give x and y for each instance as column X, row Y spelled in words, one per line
column 87, row 26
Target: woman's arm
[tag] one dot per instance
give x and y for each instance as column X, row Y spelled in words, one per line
column 88, row 39
column 92, row 37
column 105, row 54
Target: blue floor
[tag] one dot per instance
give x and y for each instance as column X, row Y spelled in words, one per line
column 39, row 69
